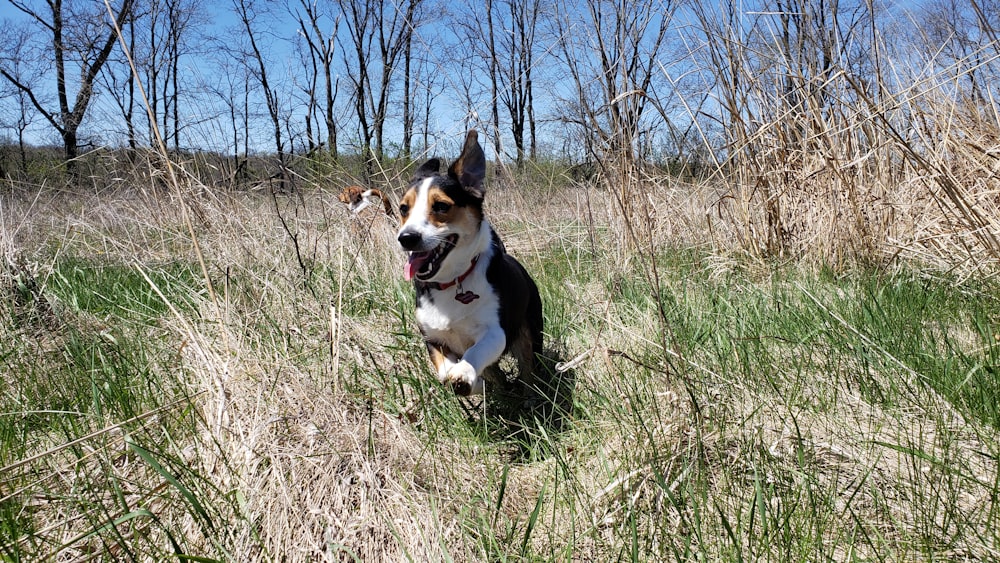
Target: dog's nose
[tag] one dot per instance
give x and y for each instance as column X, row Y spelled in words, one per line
column 409, row 239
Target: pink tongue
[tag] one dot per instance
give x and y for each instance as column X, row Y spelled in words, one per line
column 413, row 264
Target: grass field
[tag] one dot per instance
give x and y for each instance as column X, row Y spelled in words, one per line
column 264, row 395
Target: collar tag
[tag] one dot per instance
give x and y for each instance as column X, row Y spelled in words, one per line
column 465, row 297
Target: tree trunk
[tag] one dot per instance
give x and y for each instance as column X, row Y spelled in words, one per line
column 407, row 106
column 494, row 77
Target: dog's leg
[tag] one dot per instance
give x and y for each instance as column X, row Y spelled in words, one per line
column 442, row 358
column 524, row 350
column 466, row 376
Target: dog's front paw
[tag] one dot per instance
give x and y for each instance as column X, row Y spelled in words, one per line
column 444, row 370
column 464, row 380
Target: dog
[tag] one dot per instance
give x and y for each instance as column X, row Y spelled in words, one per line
column 358, row 199
column 369, row 220
column 475, row 302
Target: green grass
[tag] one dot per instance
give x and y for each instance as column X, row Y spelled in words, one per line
column 727, row 410
column 86, row 365
column 796, row 341
column 94, row 348
column 773, row 330
column 121, row 291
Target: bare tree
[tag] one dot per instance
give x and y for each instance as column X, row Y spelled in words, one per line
column 425, row 93
column 79, row 35
column 116, row 78
column 500, row 34
column 964, row 37
column 517, row 48
column 321, row 52
column 309, row 86
column 232, row 88
column 484, row 30
column 169, row 25
column 20, row 120
column 407, row 97
column 611, row 57
column 379, row 31
column 22, row 114
column 257, row 65
column 494, row 73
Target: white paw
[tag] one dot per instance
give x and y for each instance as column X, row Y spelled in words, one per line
column 445, row 369
column 462, row 377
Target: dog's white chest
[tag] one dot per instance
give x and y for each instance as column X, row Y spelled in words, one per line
column 458, row 325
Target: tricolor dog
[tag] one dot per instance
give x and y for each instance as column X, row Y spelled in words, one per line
column 474, row 301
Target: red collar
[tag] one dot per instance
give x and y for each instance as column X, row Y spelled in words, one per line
column 457, row 280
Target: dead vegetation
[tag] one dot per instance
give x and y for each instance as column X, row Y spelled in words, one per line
column 301, row 420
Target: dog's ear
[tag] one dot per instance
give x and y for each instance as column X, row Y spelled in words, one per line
column 427, row 169
column 470, row 168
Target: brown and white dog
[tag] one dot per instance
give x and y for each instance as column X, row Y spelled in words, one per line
column 474, row 301
column 370, row 221
column 358, row 199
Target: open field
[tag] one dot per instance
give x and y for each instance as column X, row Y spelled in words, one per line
column 263, row 395
column 767, row 243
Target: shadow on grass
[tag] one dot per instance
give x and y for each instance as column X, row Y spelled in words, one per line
column 527, row 415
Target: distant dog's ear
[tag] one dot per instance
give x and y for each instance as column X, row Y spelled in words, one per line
column 427, row 169
column 470, row 168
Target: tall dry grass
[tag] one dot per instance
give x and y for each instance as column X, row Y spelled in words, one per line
column 312, row 430
column 832, row 145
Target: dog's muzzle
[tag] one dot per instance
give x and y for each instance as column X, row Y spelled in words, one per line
column 423, row 263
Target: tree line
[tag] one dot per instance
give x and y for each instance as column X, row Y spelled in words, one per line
column 608, row 81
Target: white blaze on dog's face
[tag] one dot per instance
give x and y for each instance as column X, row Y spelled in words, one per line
column 442, row 217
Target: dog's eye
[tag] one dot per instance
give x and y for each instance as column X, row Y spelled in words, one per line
column 404, row 209
column 440, row 207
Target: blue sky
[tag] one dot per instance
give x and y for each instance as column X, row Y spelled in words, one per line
column 204, row 128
